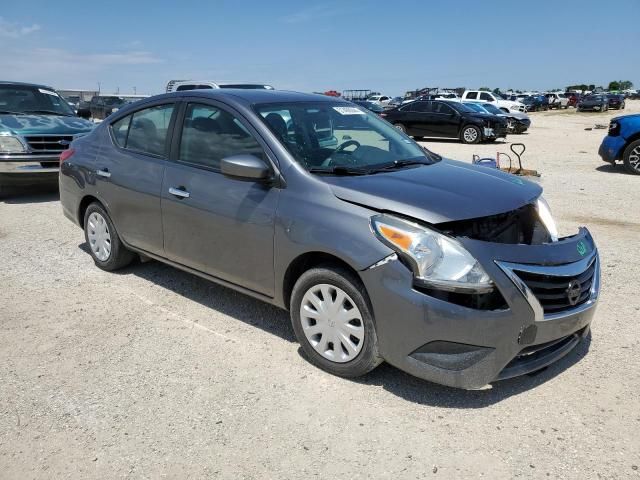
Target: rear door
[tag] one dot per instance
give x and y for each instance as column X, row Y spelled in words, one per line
column 130, row 169
column 212, row 223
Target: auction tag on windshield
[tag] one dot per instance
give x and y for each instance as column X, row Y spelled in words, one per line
column 349, row 111
column 48, row 92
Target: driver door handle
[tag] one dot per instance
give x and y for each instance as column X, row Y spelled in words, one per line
column 179, row 192
column 103, row 173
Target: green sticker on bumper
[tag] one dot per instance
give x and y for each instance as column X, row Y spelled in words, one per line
column 582, row 248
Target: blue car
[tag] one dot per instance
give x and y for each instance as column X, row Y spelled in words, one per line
column 623, row 143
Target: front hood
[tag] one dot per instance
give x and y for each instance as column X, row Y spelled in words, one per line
column 33, row 124
column 489, row 117
column 517, row 115
column 443, row 192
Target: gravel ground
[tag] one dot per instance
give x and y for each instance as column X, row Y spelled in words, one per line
column 155, row 373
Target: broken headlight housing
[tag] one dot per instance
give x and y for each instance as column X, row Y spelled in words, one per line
column 437, row 261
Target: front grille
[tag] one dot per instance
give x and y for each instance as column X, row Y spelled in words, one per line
column 554, row 292
column 48, row 144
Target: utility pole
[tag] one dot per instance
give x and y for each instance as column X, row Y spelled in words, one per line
column 134, row 90
column 98, row 88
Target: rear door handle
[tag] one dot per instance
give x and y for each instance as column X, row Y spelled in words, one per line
column 103, row 173
column 179, row 192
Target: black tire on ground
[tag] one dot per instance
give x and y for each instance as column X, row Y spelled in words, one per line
column 627, row 157
column 368, row 358
column 119, row 256
column 471, row 139
column 400, row 127
column 418, row 138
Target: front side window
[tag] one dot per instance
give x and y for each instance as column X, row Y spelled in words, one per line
column 144, row 131
column 210, row 134
column 486, row 97
column 442, row 108
column 324, row 135
column 472, row 95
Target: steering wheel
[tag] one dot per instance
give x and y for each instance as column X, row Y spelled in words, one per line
column 348, row 143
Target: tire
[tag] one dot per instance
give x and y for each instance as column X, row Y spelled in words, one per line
column 355, row 361
column 631, row 157
column 400, row 127
column 466, row 135
column 104, row 244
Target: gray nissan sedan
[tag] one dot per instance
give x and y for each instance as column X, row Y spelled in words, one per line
column 380, row 249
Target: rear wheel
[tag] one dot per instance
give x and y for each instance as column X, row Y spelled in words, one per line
column 632, row 157
column 105, row 245
column 333, row 322
column 400, row 127
column 470, row 134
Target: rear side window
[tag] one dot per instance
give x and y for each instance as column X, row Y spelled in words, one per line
column 144, row 131
column 185, row 87
column 472, row 95
column 210, row 134
column 120, row 130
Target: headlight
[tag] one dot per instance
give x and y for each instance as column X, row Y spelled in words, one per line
column 437, row 260
column 544, row 213
column 11, row 144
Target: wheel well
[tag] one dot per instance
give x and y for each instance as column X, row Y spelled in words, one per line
column 306, row 262
column 84, row 204
column 632, row 138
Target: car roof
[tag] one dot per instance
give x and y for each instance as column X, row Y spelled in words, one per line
column 248, row 96
column 24, row 84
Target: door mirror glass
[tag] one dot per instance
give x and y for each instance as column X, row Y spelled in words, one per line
column 245, row 166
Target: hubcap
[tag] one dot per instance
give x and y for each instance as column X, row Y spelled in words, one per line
column 634, row 159
column 99, row 236
column 332, row 323
column 470, row 134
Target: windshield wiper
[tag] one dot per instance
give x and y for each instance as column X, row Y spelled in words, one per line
column 397, row 164
column 50, row 112
column 339, row 170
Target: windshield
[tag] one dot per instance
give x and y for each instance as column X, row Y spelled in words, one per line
column 492, row 109
column 475, row 107
column 461, row 107
column 322, row 136
column 29, row 99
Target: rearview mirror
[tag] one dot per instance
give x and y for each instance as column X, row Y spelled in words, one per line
column 245, row 167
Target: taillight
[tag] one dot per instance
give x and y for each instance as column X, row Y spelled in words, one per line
column 66, row 154
column 382, row 114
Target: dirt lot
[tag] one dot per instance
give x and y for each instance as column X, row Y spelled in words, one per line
column 155, row 373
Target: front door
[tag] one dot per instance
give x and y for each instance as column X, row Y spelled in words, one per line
column 212, row 223
column 444, row 120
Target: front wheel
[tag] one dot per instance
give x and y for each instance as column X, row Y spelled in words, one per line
column 105, row 245
column 632, row 158
column 333, row 323
column 470, row 134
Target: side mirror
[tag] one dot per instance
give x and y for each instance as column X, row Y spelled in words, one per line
column 245, row 167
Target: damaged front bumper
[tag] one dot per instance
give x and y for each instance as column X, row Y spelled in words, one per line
column 550, row 292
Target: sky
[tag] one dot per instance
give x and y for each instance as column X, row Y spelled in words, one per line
column 386, row 46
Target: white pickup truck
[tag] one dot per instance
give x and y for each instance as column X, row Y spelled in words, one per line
column 507, row 106
column 557, row 100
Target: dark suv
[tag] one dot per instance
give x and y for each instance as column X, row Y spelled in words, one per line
column 446, row 119
column 380, row 250
column 103, row 106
